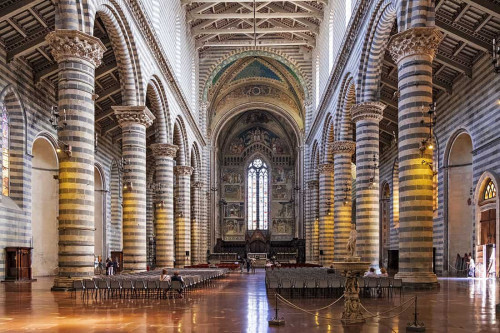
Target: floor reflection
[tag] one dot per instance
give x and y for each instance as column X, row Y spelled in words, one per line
column 240, row 303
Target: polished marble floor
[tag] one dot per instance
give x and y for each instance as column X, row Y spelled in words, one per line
column 239, row 303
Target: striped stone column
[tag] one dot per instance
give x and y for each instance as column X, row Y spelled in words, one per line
column 164, row 154
column 195, row 223
column 183, row 216
column 134, row 120
column 413, row 50
column 367, row 116
column 326, row 232
column 342, row 151
column 77, row 55
column 314, row 221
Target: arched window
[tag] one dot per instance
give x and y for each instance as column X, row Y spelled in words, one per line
column 330, row 42
column 490, row 191
column 5, row 152
column 316, row 79
column 257, row 185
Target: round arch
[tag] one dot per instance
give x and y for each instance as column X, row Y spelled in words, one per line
column 156, row 96
column 100, row 237
column 44, row 211
column 377, row 37
column 180, row 139
column 260, row 52
column 458, row 208
column 347, row 98
column 124, row 48
column 273, row 109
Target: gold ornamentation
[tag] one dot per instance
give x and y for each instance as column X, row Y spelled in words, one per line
column 343, row 147
column 133, row 115
column 368, row 111
column 421, row 40
column 164, row 149
column 66, row 44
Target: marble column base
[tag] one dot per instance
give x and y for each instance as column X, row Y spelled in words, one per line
column 64, row 283
column 418, row 280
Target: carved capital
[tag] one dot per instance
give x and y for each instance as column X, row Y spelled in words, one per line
column 133, row 115
column 421, row 40
column 68, row 44
column 183, row 170
column 343, row 147
column 313, row 184
column 368, row 111
column 326, row 168
column 164, row 149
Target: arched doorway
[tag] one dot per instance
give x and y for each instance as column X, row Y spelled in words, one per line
column 459, row 201
column 385, row 216
column 100, row 248
column 45, row 198
column 487, row 226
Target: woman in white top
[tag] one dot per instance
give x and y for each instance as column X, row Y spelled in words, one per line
column 164, row 276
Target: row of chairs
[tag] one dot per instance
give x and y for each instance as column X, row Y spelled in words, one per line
column 335, row 285
column 141, row 285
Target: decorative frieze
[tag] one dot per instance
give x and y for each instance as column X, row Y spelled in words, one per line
column 368, row 111
column 421, row 40
column 344, row 147
column 68, row 44
column 164, row 150
column 133, row 115
column 183, row 170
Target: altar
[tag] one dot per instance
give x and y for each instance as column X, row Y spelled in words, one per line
column 260, row 259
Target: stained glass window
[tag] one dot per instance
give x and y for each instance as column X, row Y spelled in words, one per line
column 258, row 197
column 490, row 191
column 5, row 152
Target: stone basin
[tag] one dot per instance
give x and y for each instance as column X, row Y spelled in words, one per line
column 351, row 264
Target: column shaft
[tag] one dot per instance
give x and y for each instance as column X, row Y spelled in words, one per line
column 183, row 216
column 134, row 120
column 367, row 117
column 342, row 151
column 78, row 55
column 164, row 206
column 326, row 202
column 195, row 223
column 413, row 50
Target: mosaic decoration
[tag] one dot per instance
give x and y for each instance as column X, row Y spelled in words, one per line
column 256, row 69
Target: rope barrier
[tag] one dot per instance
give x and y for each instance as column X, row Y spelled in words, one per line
column 319, row 309
column 371, row 314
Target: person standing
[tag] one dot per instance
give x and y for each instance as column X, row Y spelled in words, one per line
column 115, row 265
column 248, row 265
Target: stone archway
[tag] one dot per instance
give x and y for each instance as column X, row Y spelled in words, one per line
column 45, row 196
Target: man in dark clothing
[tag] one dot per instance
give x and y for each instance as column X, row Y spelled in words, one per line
column 177, row 277
column 115, row 265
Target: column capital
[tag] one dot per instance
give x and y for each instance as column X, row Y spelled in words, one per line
column 164, row 150
column 183, row 170
column 326, row 168
column 67, row 44
column 420, row 40
column 133, row 114
column 368, row 111
column 343, row 147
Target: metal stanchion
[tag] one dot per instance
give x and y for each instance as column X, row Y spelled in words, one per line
column 415, row 326
column 276, row 321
